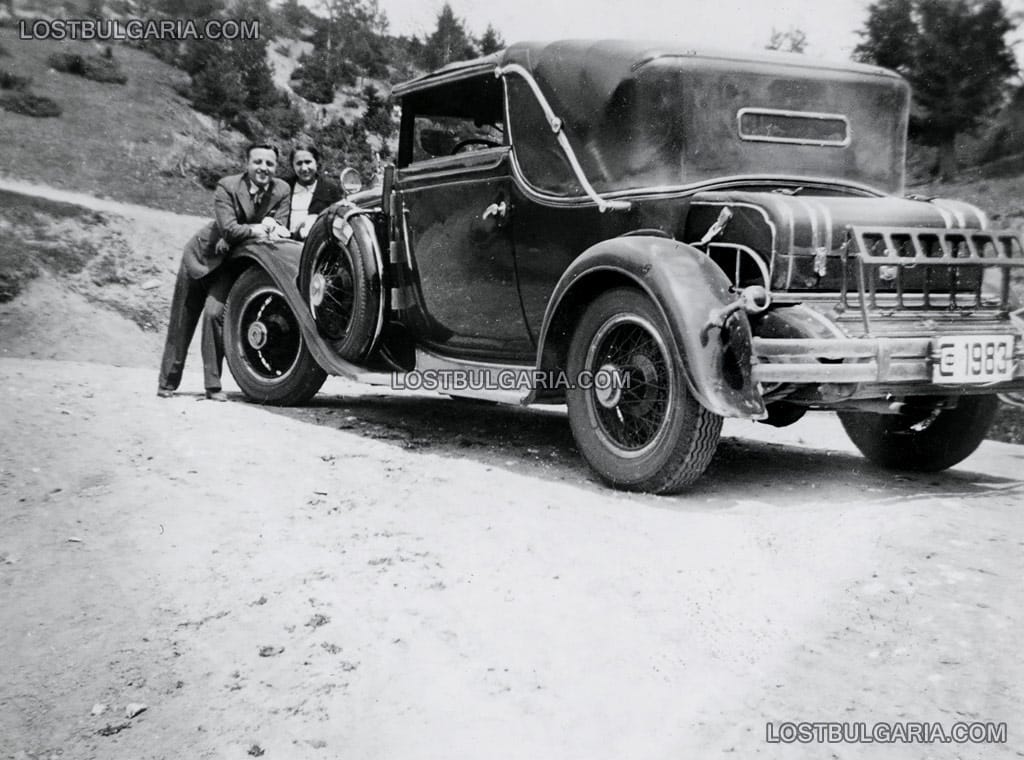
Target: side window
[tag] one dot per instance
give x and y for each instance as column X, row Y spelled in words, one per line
column 542, row 161
column 454, row 118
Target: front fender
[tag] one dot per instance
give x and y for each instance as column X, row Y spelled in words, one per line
column 687, row 287
column 280, row 259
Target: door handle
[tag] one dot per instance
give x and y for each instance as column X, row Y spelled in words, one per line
column 497, row 210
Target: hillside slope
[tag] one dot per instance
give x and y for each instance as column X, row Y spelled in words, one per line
column 85, row 280
column 128, row 142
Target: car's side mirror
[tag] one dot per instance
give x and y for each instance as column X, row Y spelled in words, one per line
column 351, row 182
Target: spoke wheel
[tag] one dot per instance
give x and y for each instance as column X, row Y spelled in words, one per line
column 341, row 284
column 264, row 347
column 632, row 385
column 634, row 419
column 332, row 291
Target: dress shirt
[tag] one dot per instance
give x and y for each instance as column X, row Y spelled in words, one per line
column 302, row 196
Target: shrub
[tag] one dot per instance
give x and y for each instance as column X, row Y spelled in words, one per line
column 29, row 104
column 377, row 119
column 284, row 120
column 247, row 124
column 345, row 145
column 208, row 175
column 320, row 74
column 9, row 81
column 96, row 68
column 315, row 91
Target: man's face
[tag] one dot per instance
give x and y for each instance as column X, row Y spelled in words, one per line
column 304, row 166
column 261, row 167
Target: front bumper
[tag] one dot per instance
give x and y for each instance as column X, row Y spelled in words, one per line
column 881, row 361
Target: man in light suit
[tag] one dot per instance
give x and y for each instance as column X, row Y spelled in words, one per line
column 253, row 205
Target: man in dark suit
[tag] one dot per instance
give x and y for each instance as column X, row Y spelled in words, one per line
column 253, row 205
column 312, row 192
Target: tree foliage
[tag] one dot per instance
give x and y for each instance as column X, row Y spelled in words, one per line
column 320, row 74
column 345, row 145
column 792, row 40
column 377, row 119
column 449, row 42
column 955, row 55
column 490, row 42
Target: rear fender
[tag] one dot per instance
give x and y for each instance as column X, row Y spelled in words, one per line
column 280, row 260
column 687, row 287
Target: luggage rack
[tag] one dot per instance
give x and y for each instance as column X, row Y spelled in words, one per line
column 885, row 254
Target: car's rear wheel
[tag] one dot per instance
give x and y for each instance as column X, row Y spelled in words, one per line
column 632, row 415
column 341, row 282
column 263, row 344
column 926, row 441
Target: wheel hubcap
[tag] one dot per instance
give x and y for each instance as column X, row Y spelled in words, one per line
column 257, row 335
column 268, row 335
column 607, row 386
column 316, row 290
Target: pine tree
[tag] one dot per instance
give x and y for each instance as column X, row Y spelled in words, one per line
column 491, row 42
column 955, row 55
column 449, row 42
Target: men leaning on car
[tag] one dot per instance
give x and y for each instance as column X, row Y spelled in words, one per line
column 253, row 205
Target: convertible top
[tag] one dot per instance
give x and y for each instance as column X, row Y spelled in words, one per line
column 608, row 62
column 649, row 115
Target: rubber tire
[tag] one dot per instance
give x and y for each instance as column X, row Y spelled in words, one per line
column 689, row 434
column 888, row 440
column 299, row 384
column 358, row 341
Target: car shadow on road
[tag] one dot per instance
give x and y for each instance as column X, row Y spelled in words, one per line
column 537, row 441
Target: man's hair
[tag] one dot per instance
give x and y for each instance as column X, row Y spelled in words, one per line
column 261, row 145
column 306, row 146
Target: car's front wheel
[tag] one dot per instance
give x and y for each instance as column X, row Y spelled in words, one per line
column 632, row 415
column 263, row 344
column 928, row 440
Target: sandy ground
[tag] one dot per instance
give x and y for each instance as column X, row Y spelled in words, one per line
column 398, row 576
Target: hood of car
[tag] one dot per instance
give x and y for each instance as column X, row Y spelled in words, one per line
column 802, row 236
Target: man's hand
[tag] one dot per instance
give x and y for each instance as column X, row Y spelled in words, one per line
column 306, row 227
column 275, row 231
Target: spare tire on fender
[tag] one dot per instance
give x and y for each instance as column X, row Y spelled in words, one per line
column 340, row 281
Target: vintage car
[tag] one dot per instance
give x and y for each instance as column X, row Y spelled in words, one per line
column 657, row 237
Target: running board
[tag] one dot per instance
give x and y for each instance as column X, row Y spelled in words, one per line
column 503, row 383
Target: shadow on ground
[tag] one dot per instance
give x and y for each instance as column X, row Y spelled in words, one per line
column 537, row 441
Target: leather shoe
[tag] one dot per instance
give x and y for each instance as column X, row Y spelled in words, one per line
column 164, row 392
column 216, row 395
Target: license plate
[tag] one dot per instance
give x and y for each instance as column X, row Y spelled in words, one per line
column 973, row 359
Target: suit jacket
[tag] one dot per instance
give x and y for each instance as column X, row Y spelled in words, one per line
column 327, row 191
column 233, row 216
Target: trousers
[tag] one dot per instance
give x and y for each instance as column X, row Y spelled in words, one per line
column 191, row 298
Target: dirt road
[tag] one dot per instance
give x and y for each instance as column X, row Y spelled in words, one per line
column 396, row 576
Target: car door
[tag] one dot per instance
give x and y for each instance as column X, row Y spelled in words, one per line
column 453, row 192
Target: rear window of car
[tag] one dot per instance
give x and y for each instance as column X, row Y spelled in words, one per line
column 801, row 127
